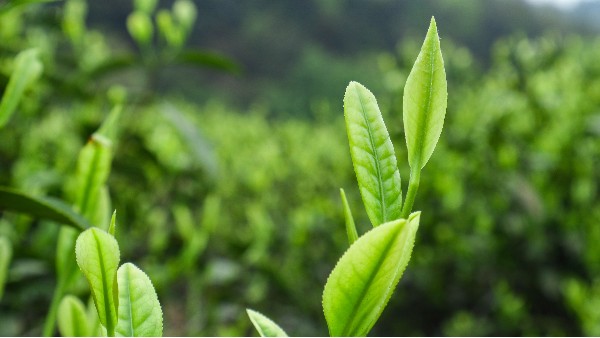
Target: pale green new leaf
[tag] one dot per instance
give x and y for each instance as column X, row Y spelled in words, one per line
column 27, row 69
column 364, row 279
column 265, row 326
column 140, row 314
column 98, row 256
column 372, row 155
column 350, row 226
column 5, row 257
column 425, row 100
column 72, row 318
column 93, row 168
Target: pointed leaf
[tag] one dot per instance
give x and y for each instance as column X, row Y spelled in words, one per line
column 350, row 226
column 41, row 207
column 112, row 227
column 27, row 69
column 364, row 279
column 93, row 168
column 98, row 257
column 425, row 100
column 265, row 326
column 140, row 314
column 372, row 155
column 5, row 257
column 72, row 318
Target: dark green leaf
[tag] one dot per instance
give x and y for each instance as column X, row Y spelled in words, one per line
column 41, row 207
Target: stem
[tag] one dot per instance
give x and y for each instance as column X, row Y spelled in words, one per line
column 413, row 186
column 50, row 323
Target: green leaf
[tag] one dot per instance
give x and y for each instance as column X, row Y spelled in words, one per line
column 265, row 326
column 205, row 59
column 98, row 256
column 350, row 226
column 364, row 279
column 93, row 168
column 41, row 207
column 5, row 257
column 425, row 100
column 140, row 314
column 10, row 4
column 372, row 155
column 72, row 318
column 27, row 69
column 112, row 227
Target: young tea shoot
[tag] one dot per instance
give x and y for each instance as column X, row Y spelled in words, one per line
column 363, row 280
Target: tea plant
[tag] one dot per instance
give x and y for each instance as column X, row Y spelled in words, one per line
column 125, row 299
column 365, row 277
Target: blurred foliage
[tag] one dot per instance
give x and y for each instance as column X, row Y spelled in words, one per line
column 227, row 208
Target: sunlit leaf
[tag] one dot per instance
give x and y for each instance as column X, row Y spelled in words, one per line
column 425, row 100
column 72, row 318
column 372, row 155
column 5, row 257
column 98, row 257
column 41, row 207
column 140, row 314
column 26, row 70
column 265, row 326
column 350, row 226
column 364, row 279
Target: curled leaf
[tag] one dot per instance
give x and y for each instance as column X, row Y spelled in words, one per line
column 364, row 279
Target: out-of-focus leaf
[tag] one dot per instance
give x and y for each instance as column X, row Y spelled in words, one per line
column 350, row 226
column 5, row 257
column 10, row 4
column 265, row 326
column 364, row 279
column 140, row 314
column 41, row 207
column 372, row 155
column 206, row 59
column 114, row 64
column 199, row 146
column 98, row 256
column 72, row 318
column 425, row 100
column 27, row 69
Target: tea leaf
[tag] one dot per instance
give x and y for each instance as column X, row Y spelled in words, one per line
column 112, row 227
column 93, row 168
column 372, row 155
column 140, row 314
column 27, row 69
column 72, row 318
column 364, row 279
column 350, row 226
column 5, row 257
column 97, row 255
column 425, row 100
column 265, row 326
column 41, row 207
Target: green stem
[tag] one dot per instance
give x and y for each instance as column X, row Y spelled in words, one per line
column 50, row 323
column 413, row 186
